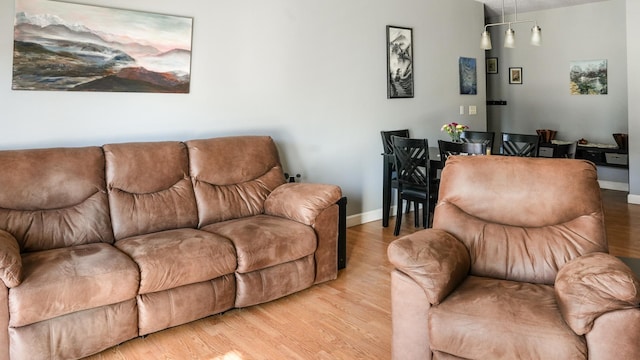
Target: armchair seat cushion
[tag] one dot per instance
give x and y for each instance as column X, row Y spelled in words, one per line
column 173, row 258
column 500, row 319
column 67, row 280
column 262, row 241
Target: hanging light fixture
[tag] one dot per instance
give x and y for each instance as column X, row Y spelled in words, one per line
column 509, row 38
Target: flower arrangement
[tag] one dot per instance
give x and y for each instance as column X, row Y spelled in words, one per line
column 454, row 129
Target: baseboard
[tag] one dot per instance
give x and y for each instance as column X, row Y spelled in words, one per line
column 612, row 185
column 633, row 199
column 357, row 219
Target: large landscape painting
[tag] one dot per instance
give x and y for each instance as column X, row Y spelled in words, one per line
column 64, row 46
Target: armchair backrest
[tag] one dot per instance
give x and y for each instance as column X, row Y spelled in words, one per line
column 521, row 218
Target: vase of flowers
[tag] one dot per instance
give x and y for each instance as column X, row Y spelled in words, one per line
column 454, row 130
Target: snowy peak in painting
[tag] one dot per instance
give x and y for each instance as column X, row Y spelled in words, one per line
column 46, row 20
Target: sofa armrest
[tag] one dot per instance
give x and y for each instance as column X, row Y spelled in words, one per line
column 434, row 259
column 302, row 202
column 592, row 285
column 10, row 260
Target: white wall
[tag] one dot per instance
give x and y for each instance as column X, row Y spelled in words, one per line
column 309, row 73
column 585, row 32
column 633, row 59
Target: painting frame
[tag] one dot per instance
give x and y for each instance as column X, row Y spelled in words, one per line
column 492, row 65
column 515, row 75
column 64, row 46
column 400, row 71
column 468, row 76
column 589, row 77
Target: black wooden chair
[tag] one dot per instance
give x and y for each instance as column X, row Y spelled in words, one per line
column 414, row 183
column 389, row 180
column 485, row 137
column 519, row 145
column 448, row 148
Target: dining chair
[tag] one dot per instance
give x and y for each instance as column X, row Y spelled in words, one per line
column 485, row 137
column 411, row 158
column 389, row 180
column 448, row 148
column 523, row 145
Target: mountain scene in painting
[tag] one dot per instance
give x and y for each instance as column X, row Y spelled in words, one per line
column 51, row 53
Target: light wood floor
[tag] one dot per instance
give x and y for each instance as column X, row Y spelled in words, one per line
column 348, row 318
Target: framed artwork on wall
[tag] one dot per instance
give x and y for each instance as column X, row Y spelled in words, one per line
column 588, row 77
column 468, row 76
column 72, row 47
column 399, row 62
column 492, row 65
column 515, row 75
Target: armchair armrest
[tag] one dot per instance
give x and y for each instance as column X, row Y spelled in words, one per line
column 433, row 258
column 10, row 260
column 302, row 202
column 592, row 285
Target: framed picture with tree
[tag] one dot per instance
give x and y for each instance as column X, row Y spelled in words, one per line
column 399, row 62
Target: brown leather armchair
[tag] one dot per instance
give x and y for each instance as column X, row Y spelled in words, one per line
column 515, row 267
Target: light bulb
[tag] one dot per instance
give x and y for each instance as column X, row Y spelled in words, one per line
column 485, row 41
column 536, row 36
column 509, row 38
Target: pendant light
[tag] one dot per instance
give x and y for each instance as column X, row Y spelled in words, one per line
column 509, row 35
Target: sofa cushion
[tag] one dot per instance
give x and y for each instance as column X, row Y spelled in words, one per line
column 233, row 176
column 499, row 319
column 54, row 198
column 62, row 281
column 262, row 241
column 149, row 187
column 173, row 258
column 10, row 260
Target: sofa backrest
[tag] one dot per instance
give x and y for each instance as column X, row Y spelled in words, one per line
column 149, row 187
column 53, row 198
column 232, row 176
column 522, row 219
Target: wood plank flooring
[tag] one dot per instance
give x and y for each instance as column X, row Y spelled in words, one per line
column 348, row 318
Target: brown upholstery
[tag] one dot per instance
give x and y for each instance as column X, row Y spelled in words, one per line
column 234, row 185
column 54, row 198
column 99, row 245
column 515, row 267
column 149, row 188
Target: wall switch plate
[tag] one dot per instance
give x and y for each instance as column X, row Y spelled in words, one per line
column 461, row 109
column 472, row 110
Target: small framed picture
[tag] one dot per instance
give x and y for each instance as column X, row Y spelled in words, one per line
column 492, row 65
column 515, row 75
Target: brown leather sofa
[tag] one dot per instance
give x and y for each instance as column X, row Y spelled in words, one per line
column 99, row 245
column 515, row 267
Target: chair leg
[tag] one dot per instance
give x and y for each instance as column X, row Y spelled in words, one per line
column 426, row 209
column 396, row 231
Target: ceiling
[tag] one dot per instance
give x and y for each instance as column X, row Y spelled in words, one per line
column 493, row 8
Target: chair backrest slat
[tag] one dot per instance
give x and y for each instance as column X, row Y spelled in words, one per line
column 386, row 138
column 411, row 161
column 523, row 145
column 448, row 148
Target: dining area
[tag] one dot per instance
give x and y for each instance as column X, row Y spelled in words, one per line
column 412, row 166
